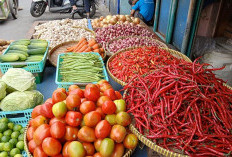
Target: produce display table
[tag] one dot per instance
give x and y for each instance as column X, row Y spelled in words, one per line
column 48, row 86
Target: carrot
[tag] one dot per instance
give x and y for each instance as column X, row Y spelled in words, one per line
column 96, row 46
column 69, row 49
column 88, row 49
column 92, row 42
column 80, row 46
column 83, row 48
column 96, row 50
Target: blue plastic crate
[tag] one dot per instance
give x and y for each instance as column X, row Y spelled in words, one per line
column 33, row 67
column 67, row 84
column 18, row 117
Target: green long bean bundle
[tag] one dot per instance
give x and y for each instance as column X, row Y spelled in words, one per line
column 83, row 68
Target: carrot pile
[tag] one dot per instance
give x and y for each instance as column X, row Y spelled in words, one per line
column 87, row 46
column 183, row 108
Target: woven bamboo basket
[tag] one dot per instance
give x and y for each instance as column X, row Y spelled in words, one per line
column 159, row 43
column 173, row 52
column 128, row 152
column 61, row 48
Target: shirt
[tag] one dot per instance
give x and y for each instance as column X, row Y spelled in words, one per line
column 146, row 8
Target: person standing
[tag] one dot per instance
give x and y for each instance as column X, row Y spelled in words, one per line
column 143, row 9
column 87, row 8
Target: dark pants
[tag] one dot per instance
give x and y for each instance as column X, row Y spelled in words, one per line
column 87, row 5
column 72, row 2
column 137, row 14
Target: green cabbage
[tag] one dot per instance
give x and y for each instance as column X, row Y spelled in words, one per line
column 18, row 79
column 2, row 90
column 21, row 100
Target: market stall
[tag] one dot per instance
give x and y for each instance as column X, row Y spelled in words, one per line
column 110, row 88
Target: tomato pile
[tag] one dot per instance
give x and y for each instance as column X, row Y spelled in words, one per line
column 89, row 122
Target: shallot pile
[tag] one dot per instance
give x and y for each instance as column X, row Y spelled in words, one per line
column 104, row 35
column 131, row 41
column 183, row 108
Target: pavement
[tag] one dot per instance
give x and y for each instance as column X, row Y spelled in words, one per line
column 14, row 29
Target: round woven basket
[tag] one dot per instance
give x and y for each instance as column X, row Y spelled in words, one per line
column 61, row 48
column 172, row 52
column 127, row 154
column 157, row 42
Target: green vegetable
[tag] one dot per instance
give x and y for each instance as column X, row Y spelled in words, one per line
column 2, row 90
column 22, row 57
column 36, row 51
column 18, row 79
column 9, row 58
column 81, row 68
column 21, row 100
column 18, row 47
column 18, row 51
column 21, row 42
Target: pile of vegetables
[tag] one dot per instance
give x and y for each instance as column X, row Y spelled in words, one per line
column 12, row 136
column 25, row 50
column 90, row 122
column 87, row 46
column 115, row 19
column 130, row 41
column 59, row 31
column 104, row 35
column 184, row 108
column 139, row 61
column 3, row 45
column 82, row 68
column 17, row 90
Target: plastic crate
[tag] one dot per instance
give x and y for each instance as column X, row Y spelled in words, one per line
column 67, row 84
column 33, row 67
column 18, row 117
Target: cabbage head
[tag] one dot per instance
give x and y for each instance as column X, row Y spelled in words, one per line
column 2, row 90
column 21, row 100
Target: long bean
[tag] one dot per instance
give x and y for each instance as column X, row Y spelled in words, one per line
column 83, row 68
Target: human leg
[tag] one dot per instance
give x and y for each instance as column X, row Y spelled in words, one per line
column 87, row 7
column 138, row 15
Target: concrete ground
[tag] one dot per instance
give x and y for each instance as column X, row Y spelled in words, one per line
column 17, row 29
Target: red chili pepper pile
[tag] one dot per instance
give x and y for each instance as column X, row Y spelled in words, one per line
column 140, row 61
column 183, row 107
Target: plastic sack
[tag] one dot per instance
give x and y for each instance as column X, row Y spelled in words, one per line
column 19, row 79
column 21, row 100
column 2, row 90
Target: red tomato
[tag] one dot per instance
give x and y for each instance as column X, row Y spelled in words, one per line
column 118, row 94
column 102, row 130
column 92, row 118
column 76, row 149
column 83, row 100
column 39, row 120
column 118, row 133
column 30, row 132
column 72, row 87
column 49, row 100
column 111, row 94
column 38, row 152
column 36, row 111
column 54, row 119
column 58, row 96
column 86, row 134
column 87, row 106
column 31, row 146
column 104, row 87
column 71, row 133
column 89, row 148
column 51, row 146
column 65, row 149
column 101, row 100
column 97, row 144
column 78, row 92
column 97, row 155
column 109, row 107
column 130, row 141
column 118, row 150
column 102, row 81
column 60, row 90
column 123, row 118
column 57, row 129
column 99, row 110
column 41, row 133
column 92, row 92
column 73, row 118
column 46, row 110
column 73, row 101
